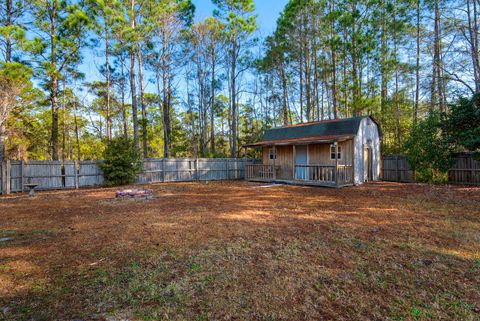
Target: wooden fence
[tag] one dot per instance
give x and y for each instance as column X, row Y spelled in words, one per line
column 55, row 175
column 395, row 168
column 465, row 170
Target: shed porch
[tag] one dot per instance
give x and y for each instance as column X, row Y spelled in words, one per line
column 326, row 163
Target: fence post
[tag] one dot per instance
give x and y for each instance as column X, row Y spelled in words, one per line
column 3, row 175
column 197, row 177
column 227, row 166
column 22, row 182
column 76, row 170
column 163, row 170
column 6, row 177
column 398, row 169
column 235, row 168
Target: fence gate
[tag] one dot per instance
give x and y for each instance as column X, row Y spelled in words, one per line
column 395, row 168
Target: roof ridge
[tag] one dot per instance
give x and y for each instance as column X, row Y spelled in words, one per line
column 319, row 122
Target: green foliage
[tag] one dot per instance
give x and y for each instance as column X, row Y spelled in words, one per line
column 428, row 151
column 463, row 124
column 121, row 162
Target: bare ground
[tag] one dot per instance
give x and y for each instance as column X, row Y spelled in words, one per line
column 238, row 251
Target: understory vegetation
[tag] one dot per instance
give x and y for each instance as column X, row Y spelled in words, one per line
column 434, row 141
column 121, row 162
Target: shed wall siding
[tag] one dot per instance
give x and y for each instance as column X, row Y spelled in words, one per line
column 284, row 161
column 319, row 154
column 365, row 134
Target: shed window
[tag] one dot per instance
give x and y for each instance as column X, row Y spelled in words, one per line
column 272, row 153
column 332, row 152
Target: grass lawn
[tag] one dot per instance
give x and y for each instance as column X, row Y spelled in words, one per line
column 242, row 251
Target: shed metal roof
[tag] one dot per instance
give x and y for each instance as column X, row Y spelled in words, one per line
column 322, row 130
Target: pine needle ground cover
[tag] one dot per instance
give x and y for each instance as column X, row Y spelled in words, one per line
column 236, row 250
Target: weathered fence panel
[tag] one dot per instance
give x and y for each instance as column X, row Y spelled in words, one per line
column 152, row 171
column 220, row 169
column 465, row 170
column 47, row 174
column 16, row 176
column 395, row 168
column 89, row 174
column 54, row 175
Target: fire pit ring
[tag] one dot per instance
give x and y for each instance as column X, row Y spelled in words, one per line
column 134, row 194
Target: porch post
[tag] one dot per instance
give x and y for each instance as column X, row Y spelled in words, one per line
column 274, row 160
column 294, row 164
column 353, row 161
column 336, row 162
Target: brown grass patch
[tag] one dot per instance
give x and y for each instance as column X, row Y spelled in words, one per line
column 231, row 250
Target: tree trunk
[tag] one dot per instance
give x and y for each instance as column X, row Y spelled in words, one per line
column 233, row 149
column 133, row 87
column 301, row 84
column 64, row 127
column 8, row 40
column 417, row 68
column 473, row 41
column 383, row 59
column 165, row 99
column 133, row 90
column 108, row 119
column 437, row 81
column 397, row 100
column 212, row 105
column 284, row 88
column 142, row 102
column 3, row 138
column 124, row 109
column 333, row 50
column 54, row 81
column 77, row 135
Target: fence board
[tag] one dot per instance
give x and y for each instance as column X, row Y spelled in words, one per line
column 52, row 175
column 465, row 170
column 90, row 174
column 395, row 168
column 16, row 184
column 47, row 174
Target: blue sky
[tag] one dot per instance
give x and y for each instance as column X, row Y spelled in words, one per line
column 267, row 12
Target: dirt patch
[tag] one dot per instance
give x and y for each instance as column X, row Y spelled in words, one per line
column 232, row 250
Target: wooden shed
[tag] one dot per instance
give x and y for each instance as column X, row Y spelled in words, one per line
column 334, row 153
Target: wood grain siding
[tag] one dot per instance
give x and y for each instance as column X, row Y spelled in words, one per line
column 283, row 163
column 319, row 154
column 368, row 135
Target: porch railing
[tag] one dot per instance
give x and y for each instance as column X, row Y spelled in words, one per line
column 341, row 175
column 259, row 171
column 316, row 173
column 345, row 175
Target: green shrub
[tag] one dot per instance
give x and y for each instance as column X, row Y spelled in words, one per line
column 121, row 163
column 427, row 150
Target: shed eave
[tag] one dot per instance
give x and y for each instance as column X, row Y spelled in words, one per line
column 301, row 141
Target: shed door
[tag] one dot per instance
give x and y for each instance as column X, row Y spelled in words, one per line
column 301, row 159
column 367, row 164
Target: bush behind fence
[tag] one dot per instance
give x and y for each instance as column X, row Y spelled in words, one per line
column 465, row 169
column 14, row 175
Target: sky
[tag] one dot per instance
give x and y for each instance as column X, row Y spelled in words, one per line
column 267, row 12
